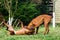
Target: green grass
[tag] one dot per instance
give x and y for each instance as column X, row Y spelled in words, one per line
column 54, row 34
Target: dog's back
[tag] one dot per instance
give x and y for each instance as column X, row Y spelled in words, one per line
column 39, row 20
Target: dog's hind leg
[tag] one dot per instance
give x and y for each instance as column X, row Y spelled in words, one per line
column 46, row 24
column 46, row 28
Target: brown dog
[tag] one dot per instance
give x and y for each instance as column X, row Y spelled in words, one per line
column 38, row 21
column 22, row 31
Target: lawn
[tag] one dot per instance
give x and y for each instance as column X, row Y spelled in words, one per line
column 54, row 34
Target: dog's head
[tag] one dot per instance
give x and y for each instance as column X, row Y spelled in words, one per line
column 32, row 29
column 11, row 33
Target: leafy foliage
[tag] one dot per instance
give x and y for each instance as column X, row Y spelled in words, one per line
column 25, row 10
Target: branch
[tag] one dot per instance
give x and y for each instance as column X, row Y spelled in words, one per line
column 16, row 6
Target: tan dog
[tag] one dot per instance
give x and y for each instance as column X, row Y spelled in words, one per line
column 38, row 21
column 22, row 31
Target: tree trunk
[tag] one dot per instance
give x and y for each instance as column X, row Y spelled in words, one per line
column 10, row 20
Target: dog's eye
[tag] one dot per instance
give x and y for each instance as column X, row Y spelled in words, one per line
column 32, row 28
